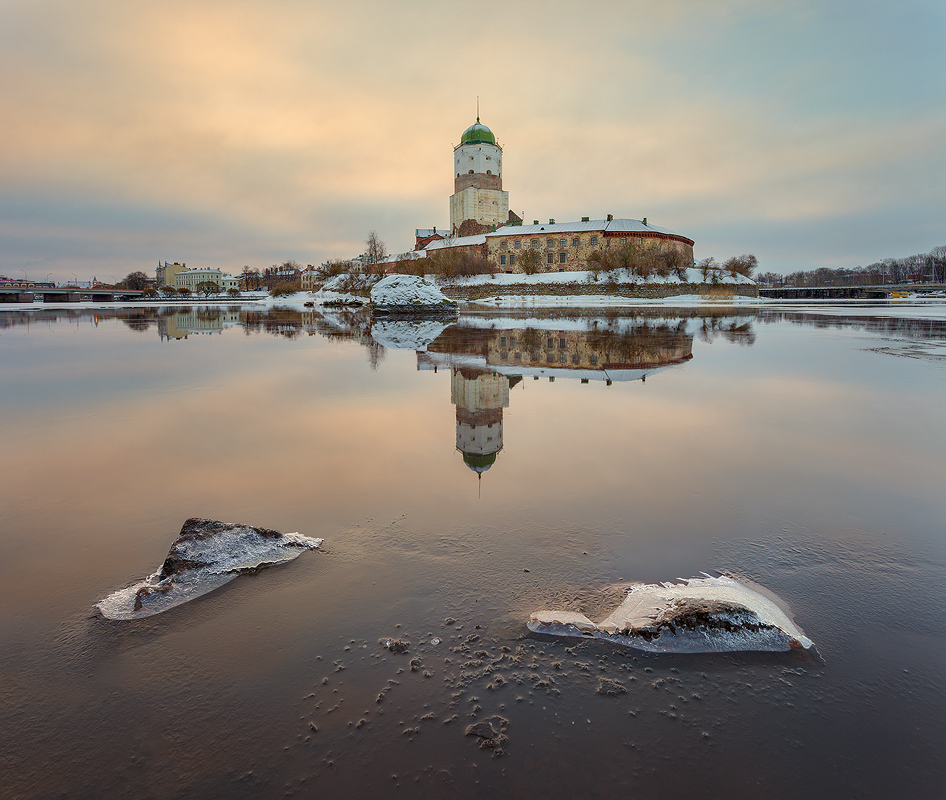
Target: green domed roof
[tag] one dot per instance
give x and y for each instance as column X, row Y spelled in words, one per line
column 479, row 463
column 478, row 134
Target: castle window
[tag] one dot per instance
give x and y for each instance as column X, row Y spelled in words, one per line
column 561, row 342
column 623, row 240
column 550, row 243
column 594, row 240
column 640, row 241
column 502, row 260
column 594, row 359
column 518, row 245
column 502, row 341
column 512, row 259
column 561, row 358
column 535, row 242
column 502, row 245
column 576, row 241
column 575, row 358
column 504, row 355
column 551, row 357
column 551, row 343
column 471, row 172
column 488, row 172
column 551, row 258
column 561, row 258
column 534, row 357
column 562, row 242
column 512, row 341
column 518, row 356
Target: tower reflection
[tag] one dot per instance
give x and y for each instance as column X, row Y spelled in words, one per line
column 485, row 363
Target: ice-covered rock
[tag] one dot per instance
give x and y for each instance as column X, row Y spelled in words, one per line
column 699, row 615
column 206, row 555
column 409, row 295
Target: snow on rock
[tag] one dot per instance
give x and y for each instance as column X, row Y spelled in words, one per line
column 699, row 615
column 410, row 294
column 407, row 334
column 206, row 555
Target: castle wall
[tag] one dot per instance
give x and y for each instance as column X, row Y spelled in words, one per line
column 570, row 250
column 485, row 206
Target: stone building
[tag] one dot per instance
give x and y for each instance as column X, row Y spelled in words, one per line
column 566, row 245
column 478, row 203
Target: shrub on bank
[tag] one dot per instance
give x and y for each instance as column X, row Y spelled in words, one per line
column 287, row 287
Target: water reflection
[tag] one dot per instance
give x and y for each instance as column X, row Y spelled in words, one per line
column 486, row 362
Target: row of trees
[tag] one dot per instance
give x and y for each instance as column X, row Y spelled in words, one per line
column 204, row 289
column 923, row 267
column 637, row 260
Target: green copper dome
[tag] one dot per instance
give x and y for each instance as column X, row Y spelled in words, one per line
column 479, row 463
column 478, row 134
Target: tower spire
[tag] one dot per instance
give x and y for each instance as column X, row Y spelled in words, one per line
column 477, row 109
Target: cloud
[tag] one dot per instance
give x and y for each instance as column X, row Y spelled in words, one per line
column 290, row 129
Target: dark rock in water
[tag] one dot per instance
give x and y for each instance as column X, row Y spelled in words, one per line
column 206, row 555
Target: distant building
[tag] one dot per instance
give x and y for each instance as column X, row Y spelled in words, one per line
column 192, row 278
column 165, row 273
column 276, row 275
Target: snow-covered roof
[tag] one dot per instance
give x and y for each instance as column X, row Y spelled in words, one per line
column 460, row 241
column 409, row 255
column 429, row 360
column 613, row 226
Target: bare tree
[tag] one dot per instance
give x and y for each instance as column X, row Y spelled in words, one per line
column 531, row 261
column 375, row 250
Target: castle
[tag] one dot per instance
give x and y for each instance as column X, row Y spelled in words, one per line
column 482, row 224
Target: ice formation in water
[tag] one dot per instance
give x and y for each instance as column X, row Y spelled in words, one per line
column 699, row 615
column 205, row 556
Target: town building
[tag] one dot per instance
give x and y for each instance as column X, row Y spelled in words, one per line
column 192, row 278
column 164, row 275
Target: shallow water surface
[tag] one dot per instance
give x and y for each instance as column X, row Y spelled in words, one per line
column 509, row 463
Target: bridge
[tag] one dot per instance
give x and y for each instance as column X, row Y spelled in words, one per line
column 64, row 294
column 876, row 292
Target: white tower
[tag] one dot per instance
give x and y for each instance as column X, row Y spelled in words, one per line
column 478, row 202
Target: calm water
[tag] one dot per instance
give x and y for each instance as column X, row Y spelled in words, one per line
column 805, row 451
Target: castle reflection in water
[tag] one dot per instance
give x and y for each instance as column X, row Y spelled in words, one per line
column 485, row 363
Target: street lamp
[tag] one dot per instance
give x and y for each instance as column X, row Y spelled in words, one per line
column 75, row 280
column 25, row 278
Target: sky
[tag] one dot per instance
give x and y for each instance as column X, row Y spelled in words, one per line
column 232, row 133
